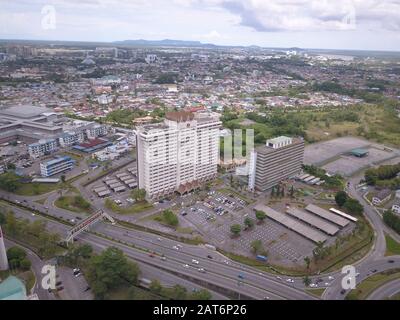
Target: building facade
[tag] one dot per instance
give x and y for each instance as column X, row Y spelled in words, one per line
column 179, row 154
column 42, row 147
column 96, row 131
column 280, row 159
column 71, row 138
column 55, row 166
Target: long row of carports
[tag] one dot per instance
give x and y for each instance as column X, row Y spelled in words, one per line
column 314, row 218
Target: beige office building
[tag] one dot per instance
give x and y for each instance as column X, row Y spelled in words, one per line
column 281, row 158
column 178, row 154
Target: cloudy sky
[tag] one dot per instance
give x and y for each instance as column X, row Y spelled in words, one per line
column 341, row 24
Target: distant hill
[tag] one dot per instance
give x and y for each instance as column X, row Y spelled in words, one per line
column 164, row 43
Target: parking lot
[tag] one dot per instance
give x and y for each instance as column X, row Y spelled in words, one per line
column 318, row 153
column 74, row 287
column 219, row 211
column 347, row 165
column 116, row 186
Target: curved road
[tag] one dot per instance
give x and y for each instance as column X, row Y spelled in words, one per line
column 386, row 291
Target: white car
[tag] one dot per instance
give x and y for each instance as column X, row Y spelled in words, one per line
column 331, row 278
column 279, row 278
column 202, row 270
column 175, row 247
column 186, row 266
column 327, row 284
column 195, row 261
column 313, row 285
column 290, row 280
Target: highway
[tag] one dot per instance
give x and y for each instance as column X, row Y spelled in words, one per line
column 256, row 285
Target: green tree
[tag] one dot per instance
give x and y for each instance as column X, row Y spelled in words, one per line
column 257, row 246
column 178, row 292
column 170, row 218
column 260, row 215
column 155, row 286
column 9, row 182
column 249, row 223
column 111, row 270
column 306, row 281
column 139, row 194
column 17, row 258
column 341, row 198
column 353, row 206
column 25, row 264
column 202, row 294
column 307, row 261
column 63, row 178
column 236, row 229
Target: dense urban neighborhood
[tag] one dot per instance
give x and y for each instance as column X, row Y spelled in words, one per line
column 173, row 170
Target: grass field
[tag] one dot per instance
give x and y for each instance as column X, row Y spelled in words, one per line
column 135, row 208
column 316, row 292
column 392, row 246
column 35, row 189
column 70, row 203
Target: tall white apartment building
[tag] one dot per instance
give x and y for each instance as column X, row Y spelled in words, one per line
column 178, row 154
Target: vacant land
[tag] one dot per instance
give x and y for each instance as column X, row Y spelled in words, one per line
column 392, row 247
column 135, row 208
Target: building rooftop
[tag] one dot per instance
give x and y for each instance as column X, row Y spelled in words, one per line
column 25, row 111
column 57, row 160
column 12, row 289
column 267, row 149
column 279, row 140
column 179, row 116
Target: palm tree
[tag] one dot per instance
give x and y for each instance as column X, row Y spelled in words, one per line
column 306, row 281
column 307, row 261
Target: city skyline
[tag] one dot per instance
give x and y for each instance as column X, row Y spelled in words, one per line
column 344, row 24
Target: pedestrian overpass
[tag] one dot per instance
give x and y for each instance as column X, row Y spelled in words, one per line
column 87, row 223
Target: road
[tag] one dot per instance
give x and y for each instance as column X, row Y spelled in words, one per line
column 386, row 291
column 375, row 258
column 257, row 285
column 37, row 265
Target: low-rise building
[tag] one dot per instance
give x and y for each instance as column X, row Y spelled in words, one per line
column 396, row 206
column 382, row 196
column 95, row 131
column 71, row 138
column 58, row 165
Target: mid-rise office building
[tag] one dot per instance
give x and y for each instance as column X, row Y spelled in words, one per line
column 71, row 138
column 281, row 158
column 55, row 166
column 95, row 131
column 178, row 154
column 42, row 147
